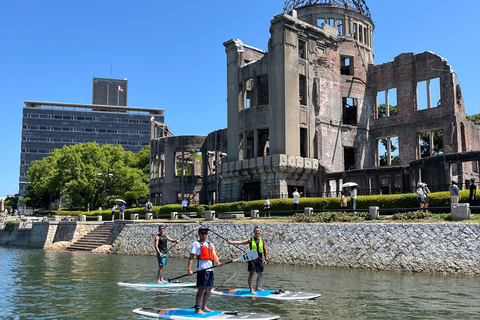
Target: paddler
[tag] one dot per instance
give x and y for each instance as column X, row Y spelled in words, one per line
column 161, row 241
column 205, row 254
column 257, row 265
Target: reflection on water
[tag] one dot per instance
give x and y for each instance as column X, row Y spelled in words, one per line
column 73, row 285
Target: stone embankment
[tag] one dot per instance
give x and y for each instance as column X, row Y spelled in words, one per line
column 452, row 248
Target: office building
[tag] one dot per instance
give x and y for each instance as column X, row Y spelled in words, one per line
column 109, row 92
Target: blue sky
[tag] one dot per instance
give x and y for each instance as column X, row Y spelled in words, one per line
column 173, row 56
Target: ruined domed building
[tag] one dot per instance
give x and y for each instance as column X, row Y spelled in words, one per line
column 315, row 111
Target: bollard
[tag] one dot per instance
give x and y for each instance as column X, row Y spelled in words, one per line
column 83, row 217
column 134, row 216
column 308, row 211
column 209, row 215
column 460, row 211
column 254, row 214
column 374, row 212
column 148, row 216
column 174, row 215
column 99, row 218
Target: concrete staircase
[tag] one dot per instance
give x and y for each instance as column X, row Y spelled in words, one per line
column 93, row 239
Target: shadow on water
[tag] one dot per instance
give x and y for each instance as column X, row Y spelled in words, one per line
column 74, row 285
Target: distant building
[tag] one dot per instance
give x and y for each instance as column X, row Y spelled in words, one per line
column 52, row 125
column 109, row 92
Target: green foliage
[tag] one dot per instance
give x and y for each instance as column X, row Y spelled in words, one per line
column 474, row 118
column 9, row 226
column 71, row 173
column 382, row 110
column 326, row 217
column 437, row 143
column 12, row 202
column 412, row 215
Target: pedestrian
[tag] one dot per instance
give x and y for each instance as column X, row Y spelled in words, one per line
column 161, row 241
column 343, row 200
column 266, row 207
column 455, row 196
column 113, row 211
column 426, row 202
column 257, row 265
column 296, row 199
column 148, row 207
column 472, row 199
column 184, row 205
column 205, row 254
column 353, row 197
column 420, row 195
column 122, row 211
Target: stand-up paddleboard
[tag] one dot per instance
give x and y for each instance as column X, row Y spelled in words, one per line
column 157, row 285
column 271, row 294
column 186, row 314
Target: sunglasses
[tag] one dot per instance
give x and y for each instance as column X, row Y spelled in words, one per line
column 203, row 233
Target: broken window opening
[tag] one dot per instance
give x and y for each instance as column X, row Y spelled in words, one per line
column 241, row 151
column 262, row 90
column 365, row 35
column 249, row 145
column 349, row 158
column 384, row 98
column 191, row 162
column 303, row 142
column 302, row 94
column 301, row 49
column 263, row 142
column 346, row 65
column 248, row 93
column 241, row 105
column 354, row 31
column 360, row 33
column 340, row 27
column 428, row 94
column 388, row 151
column 349, row 110
column 245, row 61
column 330, row 22
column 431, row 143
column 320, row 22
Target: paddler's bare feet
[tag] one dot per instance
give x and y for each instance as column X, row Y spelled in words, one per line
column 259, row 289
column 199, row 311
column 206, row 309
column 252, row 292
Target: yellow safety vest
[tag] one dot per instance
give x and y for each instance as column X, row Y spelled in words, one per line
column 253, row 245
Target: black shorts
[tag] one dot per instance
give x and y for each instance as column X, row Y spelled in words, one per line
column 255, row 265
column 205, row 279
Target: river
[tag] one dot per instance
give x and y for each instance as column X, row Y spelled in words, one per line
column 38, row 284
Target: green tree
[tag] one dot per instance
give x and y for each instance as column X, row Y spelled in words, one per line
column 437, row 143
column 474, row 118
column 382, row 111
column 384, row 157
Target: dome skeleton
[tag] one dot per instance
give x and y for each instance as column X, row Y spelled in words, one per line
column 360, row 5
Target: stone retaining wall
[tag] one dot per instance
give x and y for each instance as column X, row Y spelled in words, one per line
column 447, row 247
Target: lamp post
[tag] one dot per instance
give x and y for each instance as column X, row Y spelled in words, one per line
column 110, row 175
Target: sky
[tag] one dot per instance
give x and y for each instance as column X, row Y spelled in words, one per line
column 173, row 56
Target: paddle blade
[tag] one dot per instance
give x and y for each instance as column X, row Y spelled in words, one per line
column 248, row 256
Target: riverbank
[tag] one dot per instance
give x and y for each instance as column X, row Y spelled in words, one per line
column 451, row 248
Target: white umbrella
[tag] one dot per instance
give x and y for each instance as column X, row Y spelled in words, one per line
column 119, row 201
column 349, row 184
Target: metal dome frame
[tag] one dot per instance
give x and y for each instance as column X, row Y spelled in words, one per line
column 360, row 5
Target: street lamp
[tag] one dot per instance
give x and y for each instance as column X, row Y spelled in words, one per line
column 110, row 175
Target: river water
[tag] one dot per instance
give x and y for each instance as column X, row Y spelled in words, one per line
column 38, row 284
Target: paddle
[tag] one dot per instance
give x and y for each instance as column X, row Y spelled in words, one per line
column 248, row 256
column 188, row 218
column 188, row 233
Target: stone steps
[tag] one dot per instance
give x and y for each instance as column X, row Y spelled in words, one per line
column 93, row 239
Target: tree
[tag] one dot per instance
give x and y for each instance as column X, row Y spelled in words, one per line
column 437, row 143
column 382, row 111
column 384, row 157
column 474, row 118
column 71, row 173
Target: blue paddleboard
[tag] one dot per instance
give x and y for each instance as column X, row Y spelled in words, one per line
column 270, row 294
column 186, row 314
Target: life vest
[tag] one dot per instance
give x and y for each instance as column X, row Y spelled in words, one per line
column 253, row 245
column 206, row 252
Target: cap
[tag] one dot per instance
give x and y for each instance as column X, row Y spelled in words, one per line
column 472, row 179
column 420, row 184
column 202, row 229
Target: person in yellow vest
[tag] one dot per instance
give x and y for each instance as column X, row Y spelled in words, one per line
column 257, row 265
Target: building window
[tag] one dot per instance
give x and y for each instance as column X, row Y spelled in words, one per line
column 431, row 143
column 387, row 103
column 263, row 142
column 330, row 22
column 349, row 158
column 320, row 22
column 301, row 49
column 262, row 90
column 249, row 145
column 340, row 27
column 355, row 27
column 302, row 86
column 428, row 94
column 349, row 110
column 388, row 152
column 346, row 65
column 360, row 33
column 303, row 143
column 249, row 93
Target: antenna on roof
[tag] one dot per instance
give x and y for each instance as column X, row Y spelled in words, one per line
column 110, row 70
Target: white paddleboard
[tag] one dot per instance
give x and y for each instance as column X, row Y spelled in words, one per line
column 157, row 285
column 270, row 294
column 185, row 314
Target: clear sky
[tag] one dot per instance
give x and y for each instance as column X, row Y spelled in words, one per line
column 173, row 56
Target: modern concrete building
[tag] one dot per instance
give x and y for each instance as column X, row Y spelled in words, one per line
column 315, row 111
column 52, row 125
column 110, row 92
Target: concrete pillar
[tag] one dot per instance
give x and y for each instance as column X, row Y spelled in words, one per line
column 174, row 215
column 134, row 216
column 2, row 205
column 374, row 212
column 460, row 211
column 308, row 211
column 99, row 218
column 83, row 217
column 148, row 216
column 209, row 215
column 254, row 214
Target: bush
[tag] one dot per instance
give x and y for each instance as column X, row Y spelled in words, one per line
column 330, row 216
